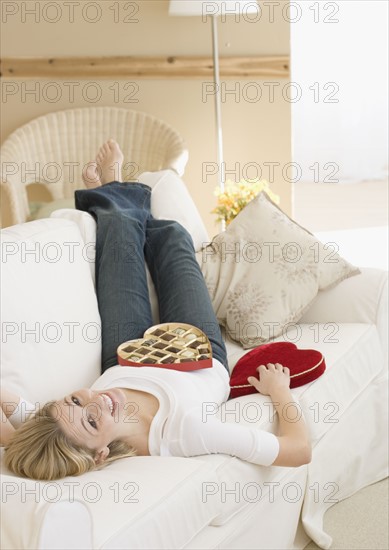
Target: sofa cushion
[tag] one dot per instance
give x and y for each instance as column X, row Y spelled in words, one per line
column 171, row 200
column 265, row 270
column 354, row 359
column 50, row 320
column 353, row 356
column 139, row 502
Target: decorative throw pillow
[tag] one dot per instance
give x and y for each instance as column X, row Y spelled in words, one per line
column 264, row 271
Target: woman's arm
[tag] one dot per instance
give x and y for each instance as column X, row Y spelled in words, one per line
column 293, row 437
column 8, row 404
column 202, row 433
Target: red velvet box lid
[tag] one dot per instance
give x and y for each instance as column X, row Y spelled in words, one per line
column 305, row 365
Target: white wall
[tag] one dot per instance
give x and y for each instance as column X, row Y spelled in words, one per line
column 344, row 43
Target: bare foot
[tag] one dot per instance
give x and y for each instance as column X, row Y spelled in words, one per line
column 109, row 162
column 90, row 175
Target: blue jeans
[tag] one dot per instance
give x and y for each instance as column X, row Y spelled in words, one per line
column 127, row 235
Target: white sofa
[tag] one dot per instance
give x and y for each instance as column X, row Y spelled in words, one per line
column 51, row 346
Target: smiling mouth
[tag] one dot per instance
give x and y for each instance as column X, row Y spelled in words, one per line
column 109, row 402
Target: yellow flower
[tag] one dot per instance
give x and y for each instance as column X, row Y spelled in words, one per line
column 237, row 195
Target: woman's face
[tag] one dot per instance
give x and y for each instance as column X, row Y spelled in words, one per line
column 94, row 419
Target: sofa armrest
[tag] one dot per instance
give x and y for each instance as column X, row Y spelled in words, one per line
column 359, row 299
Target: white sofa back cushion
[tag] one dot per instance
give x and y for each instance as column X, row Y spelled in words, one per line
column 171, row 200
column 51, row 342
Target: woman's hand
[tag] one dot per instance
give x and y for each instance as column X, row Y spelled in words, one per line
column 272, row 378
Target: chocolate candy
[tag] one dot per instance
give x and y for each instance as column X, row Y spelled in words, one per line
column 179, row 331
column 160, row 345
column 150, row 342
column 194, row 345
column 187, row 353
column 167, row 337
column 169, row 359
column 130, row 348
column 172, row 349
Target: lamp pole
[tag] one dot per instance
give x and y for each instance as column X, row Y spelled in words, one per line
column 218, row 118
column 217, row 7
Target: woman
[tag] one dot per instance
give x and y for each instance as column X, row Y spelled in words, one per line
column 145, row 411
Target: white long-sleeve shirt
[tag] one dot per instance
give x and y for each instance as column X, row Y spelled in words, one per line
column 185, row 423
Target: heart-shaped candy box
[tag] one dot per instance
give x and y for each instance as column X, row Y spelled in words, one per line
column 305, row 365
column 177, row 346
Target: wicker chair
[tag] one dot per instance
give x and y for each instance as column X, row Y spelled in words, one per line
column 52, row 149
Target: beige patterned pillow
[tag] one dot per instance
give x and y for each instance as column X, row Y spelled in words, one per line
column 264, row 271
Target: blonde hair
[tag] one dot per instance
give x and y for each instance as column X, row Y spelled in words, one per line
column 39, row 449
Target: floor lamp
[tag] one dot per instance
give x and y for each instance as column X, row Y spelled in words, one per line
column 213, row 10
